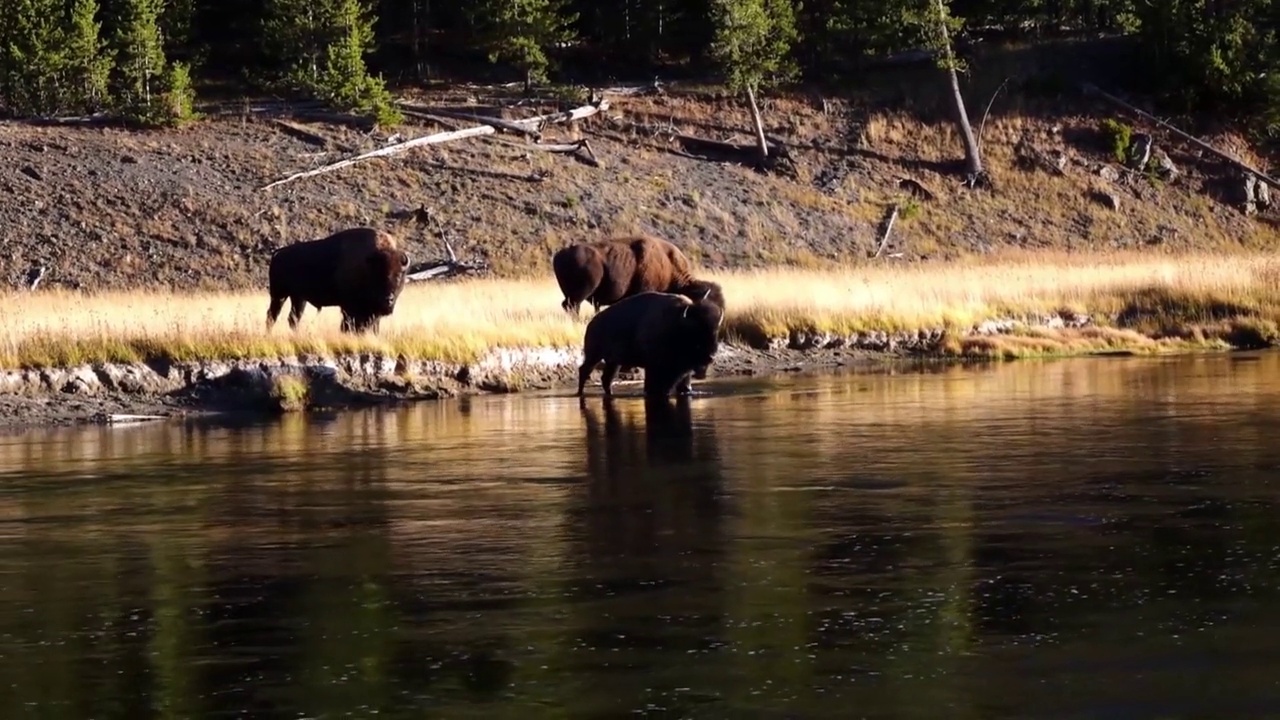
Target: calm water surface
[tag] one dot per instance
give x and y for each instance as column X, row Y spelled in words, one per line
column 1082, row 539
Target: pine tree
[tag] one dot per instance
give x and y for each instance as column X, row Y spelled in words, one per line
column 753, row 41
column 88, row 66
column 140, row 53
column 320, row 48
column 345, row 80
column 519, row 32
column 31, row 57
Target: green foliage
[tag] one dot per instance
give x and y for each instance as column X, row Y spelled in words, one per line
column 753, row 41
column 76, row 56
column 519, row 32
column 88, row 66
column 320, row 47
column 1119, row 137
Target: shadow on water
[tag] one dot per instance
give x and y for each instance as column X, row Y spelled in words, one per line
column 1098, row 537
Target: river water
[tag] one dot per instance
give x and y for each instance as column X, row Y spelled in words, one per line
column 1093, row 538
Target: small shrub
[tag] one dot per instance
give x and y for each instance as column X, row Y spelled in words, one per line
column 1119, row 136
column 289, row 393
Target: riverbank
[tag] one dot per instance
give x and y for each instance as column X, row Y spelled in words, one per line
column 74, row 355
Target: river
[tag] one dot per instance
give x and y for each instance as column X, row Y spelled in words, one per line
column 1091, row 538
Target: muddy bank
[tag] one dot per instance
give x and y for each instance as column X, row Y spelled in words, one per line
column 93, row 393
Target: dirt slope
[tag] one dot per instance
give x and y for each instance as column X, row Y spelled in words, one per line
column 113, row 208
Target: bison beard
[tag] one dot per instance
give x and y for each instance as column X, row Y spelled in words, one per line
column 670, row 336
column 359, row 270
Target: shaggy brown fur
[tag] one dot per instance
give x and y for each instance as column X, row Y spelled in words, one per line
column 605, row 271
column 360, row 270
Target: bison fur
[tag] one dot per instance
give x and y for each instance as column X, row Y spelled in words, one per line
column 670, row 336
column 360, row 270
column 605, row 271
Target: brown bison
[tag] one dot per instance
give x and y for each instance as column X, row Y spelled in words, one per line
column 360, row 270
column 605, row 271
column 671, row 336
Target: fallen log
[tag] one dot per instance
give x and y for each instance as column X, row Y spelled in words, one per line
column 888, row 228
column 585, row 111
column 589, row 156
column 387, row 151
column 301, row 133
column 694, row 144
column 498, row 123
column 1091, row 89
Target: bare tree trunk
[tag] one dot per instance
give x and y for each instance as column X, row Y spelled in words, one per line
column 972, row 156
column 761, row 142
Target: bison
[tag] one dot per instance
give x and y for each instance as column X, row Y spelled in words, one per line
column 605, row 271
column 361, row 270
column 671, row 336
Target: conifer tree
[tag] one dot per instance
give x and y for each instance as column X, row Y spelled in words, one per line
column 31, row 57
column 753, row 40
column 320, row 46
column 519, row 32
column 88, row 66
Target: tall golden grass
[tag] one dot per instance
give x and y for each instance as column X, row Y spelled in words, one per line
column 1193, row 298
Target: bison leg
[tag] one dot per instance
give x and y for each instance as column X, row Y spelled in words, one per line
column 606, row 377
column 659, row 381
column 296, row 306
column 570, row 306
column 273, row 310
column 684, row 384
column 358, row 323
column 584, row 374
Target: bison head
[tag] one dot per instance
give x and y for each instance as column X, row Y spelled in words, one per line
column 700, row 333
column 386, row 278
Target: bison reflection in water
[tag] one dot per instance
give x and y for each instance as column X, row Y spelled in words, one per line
column 360, row 270
column 671, row 337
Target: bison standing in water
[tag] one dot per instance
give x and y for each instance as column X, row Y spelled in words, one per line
column 605, row 271
column 360, row 270
column 671, row 336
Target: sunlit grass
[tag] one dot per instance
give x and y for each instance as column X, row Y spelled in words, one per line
column 1149, row 304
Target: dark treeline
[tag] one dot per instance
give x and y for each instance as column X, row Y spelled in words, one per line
column 145, row 58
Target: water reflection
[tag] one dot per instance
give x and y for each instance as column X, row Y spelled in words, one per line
column 1100, row 537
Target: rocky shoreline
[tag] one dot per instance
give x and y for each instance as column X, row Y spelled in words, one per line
column 97, row 392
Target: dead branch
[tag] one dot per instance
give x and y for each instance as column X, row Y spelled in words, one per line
column 359, row 122
column 387, row 151
column 1095, row 90
column 497, row 123
column 35, row 276
column 588, row 157
column 580, row 113
column 448, row 267
column 888, row 228
column 301, row 133
column 653, row 88
column 697, row 145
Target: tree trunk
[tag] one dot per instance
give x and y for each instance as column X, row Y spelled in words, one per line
column 972, row 157
column 761, row 143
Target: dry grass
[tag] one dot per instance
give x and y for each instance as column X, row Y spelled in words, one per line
column 1201, row 300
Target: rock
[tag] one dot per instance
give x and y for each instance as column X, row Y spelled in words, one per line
column 1109, row 173
column 1106, row 199
column 1165, row 169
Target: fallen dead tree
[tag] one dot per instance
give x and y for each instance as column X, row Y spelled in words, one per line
column 1095, row 90
column 580, row 113
column 449, row 266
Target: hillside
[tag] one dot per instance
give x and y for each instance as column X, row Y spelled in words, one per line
column 114, row 208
